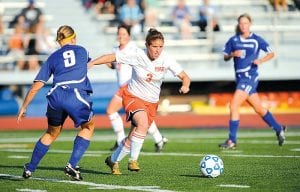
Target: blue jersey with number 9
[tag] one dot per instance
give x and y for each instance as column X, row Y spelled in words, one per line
column 68, row 65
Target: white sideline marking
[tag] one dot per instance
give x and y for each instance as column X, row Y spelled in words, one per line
column 170, row 136
column 17, row 157
column 234, row 186
column 31, row 190
column 13, row 145
column 94, row 185
column 296, row 149
column 98, row 153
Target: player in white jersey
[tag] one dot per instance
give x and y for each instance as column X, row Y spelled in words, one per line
column 141, row 96
column 124, row 73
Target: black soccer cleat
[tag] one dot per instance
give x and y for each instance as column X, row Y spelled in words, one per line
column 228, row 144
column 73, row 173
column 26, row 172
column 280, row 135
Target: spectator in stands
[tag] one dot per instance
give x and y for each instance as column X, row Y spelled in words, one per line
column 279, row 5
column 244, row 47
column 16, row 48
column 141, row 96
column 207, row 16
column 69, row 96
column 151, row 13
column 181, row 19
column 131, row 14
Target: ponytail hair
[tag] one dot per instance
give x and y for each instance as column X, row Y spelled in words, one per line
column 152, row 35
column 64, row 33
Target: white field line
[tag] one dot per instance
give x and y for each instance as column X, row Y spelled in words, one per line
column 234, row 186
column 271, row 142
column 92, row 185
column 17, row 157
column 181, row 136
column 98, row 153
column 31, row 190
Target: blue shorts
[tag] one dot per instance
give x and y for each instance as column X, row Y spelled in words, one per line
column 64, row 102
column 247, row 82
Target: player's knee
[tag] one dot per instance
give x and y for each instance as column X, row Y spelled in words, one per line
column 54, row 131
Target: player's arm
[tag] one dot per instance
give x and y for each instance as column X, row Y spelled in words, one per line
column 35, row 87
column 108, row 58
column 266, row 58
column 186, row 81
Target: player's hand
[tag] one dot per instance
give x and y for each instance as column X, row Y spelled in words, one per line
column 22, row 113
column 184, row 90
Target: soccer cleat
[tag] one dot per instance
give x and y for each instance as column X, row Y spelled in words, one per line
column 160, row 145
column 73, row 173
column 228, row 144
column 114, row 167
column 133, row 166
column 26, row 173
column 280, row 136
column 114, row 147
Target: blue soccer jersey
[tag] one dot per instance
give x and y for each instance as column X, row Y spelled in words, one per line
column 68, row 65
column 70, row 93
column 250, row 48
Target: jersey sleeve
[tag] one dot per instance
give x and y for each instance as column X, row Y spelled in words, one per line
column 127, row 57
column 264, row 45
column 174, row 66
column 228, row 48
column 45, row 72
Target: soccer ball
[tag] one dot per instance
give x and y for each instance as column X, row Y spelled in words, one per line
column 211, row 166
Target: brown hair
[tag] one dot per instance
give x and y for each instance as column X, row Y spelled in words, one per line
column 64, row 32
column 152, row 35
column 126, row 27
column 237, row 28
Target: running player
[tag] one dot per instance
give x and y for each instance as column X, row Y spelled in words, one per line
column 69, row 96
column 141, row 96
column 124, row 73
column 244, row 48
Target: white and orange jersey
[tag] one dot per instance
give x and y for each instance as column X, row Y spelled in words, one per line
column 147, row 75
column 124, row 72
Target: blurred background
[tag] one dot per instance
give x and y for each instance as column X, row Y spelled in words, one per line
column 195, row 32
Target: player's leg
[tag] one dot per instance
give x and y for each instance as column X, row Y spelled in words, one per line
column 79, row 108
column 267, row 116
column 116, row 121
column 40, row 149
column 140, row 119
column 56, row 119
column 122, row 151
column 159, row 140
column 238, row 98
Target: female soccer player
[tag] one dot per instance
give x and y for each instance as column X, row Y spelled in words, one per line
column 244, row 48
column 141, row 96
column 69, row 96
column 124, row 73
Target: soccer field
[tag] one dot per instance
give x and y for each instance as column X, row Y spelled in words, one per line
column 258, row 164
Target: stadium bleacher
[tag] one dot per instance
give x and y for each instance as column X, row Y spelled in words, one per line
column 201, row 56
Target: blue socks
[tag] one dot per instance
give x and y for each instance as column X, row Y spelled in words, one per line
column 79, row 148
column 38, row 153
column 270, row 120
column 233, row 128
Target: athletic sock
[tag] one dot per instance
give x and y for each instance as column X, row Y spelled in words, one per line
column 79, row 148
column 153, row 130
column 270, row 120
column 120, row 152
column 117, row 125
column 233, row 128
column 137, row 141
column 38, row 153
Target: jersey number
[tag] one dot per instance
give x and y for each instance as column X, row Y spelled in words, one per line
column 69, row 58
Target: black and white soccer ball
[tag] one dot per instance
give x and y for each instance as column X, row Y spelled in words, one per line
column 211, row 166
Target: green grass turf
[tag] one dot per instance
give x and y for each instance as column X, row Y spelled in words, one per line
column 258, row 164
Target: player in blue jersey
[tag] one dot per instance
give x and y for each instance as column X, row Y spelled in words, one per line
column 69, row 96
column 244, row 48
